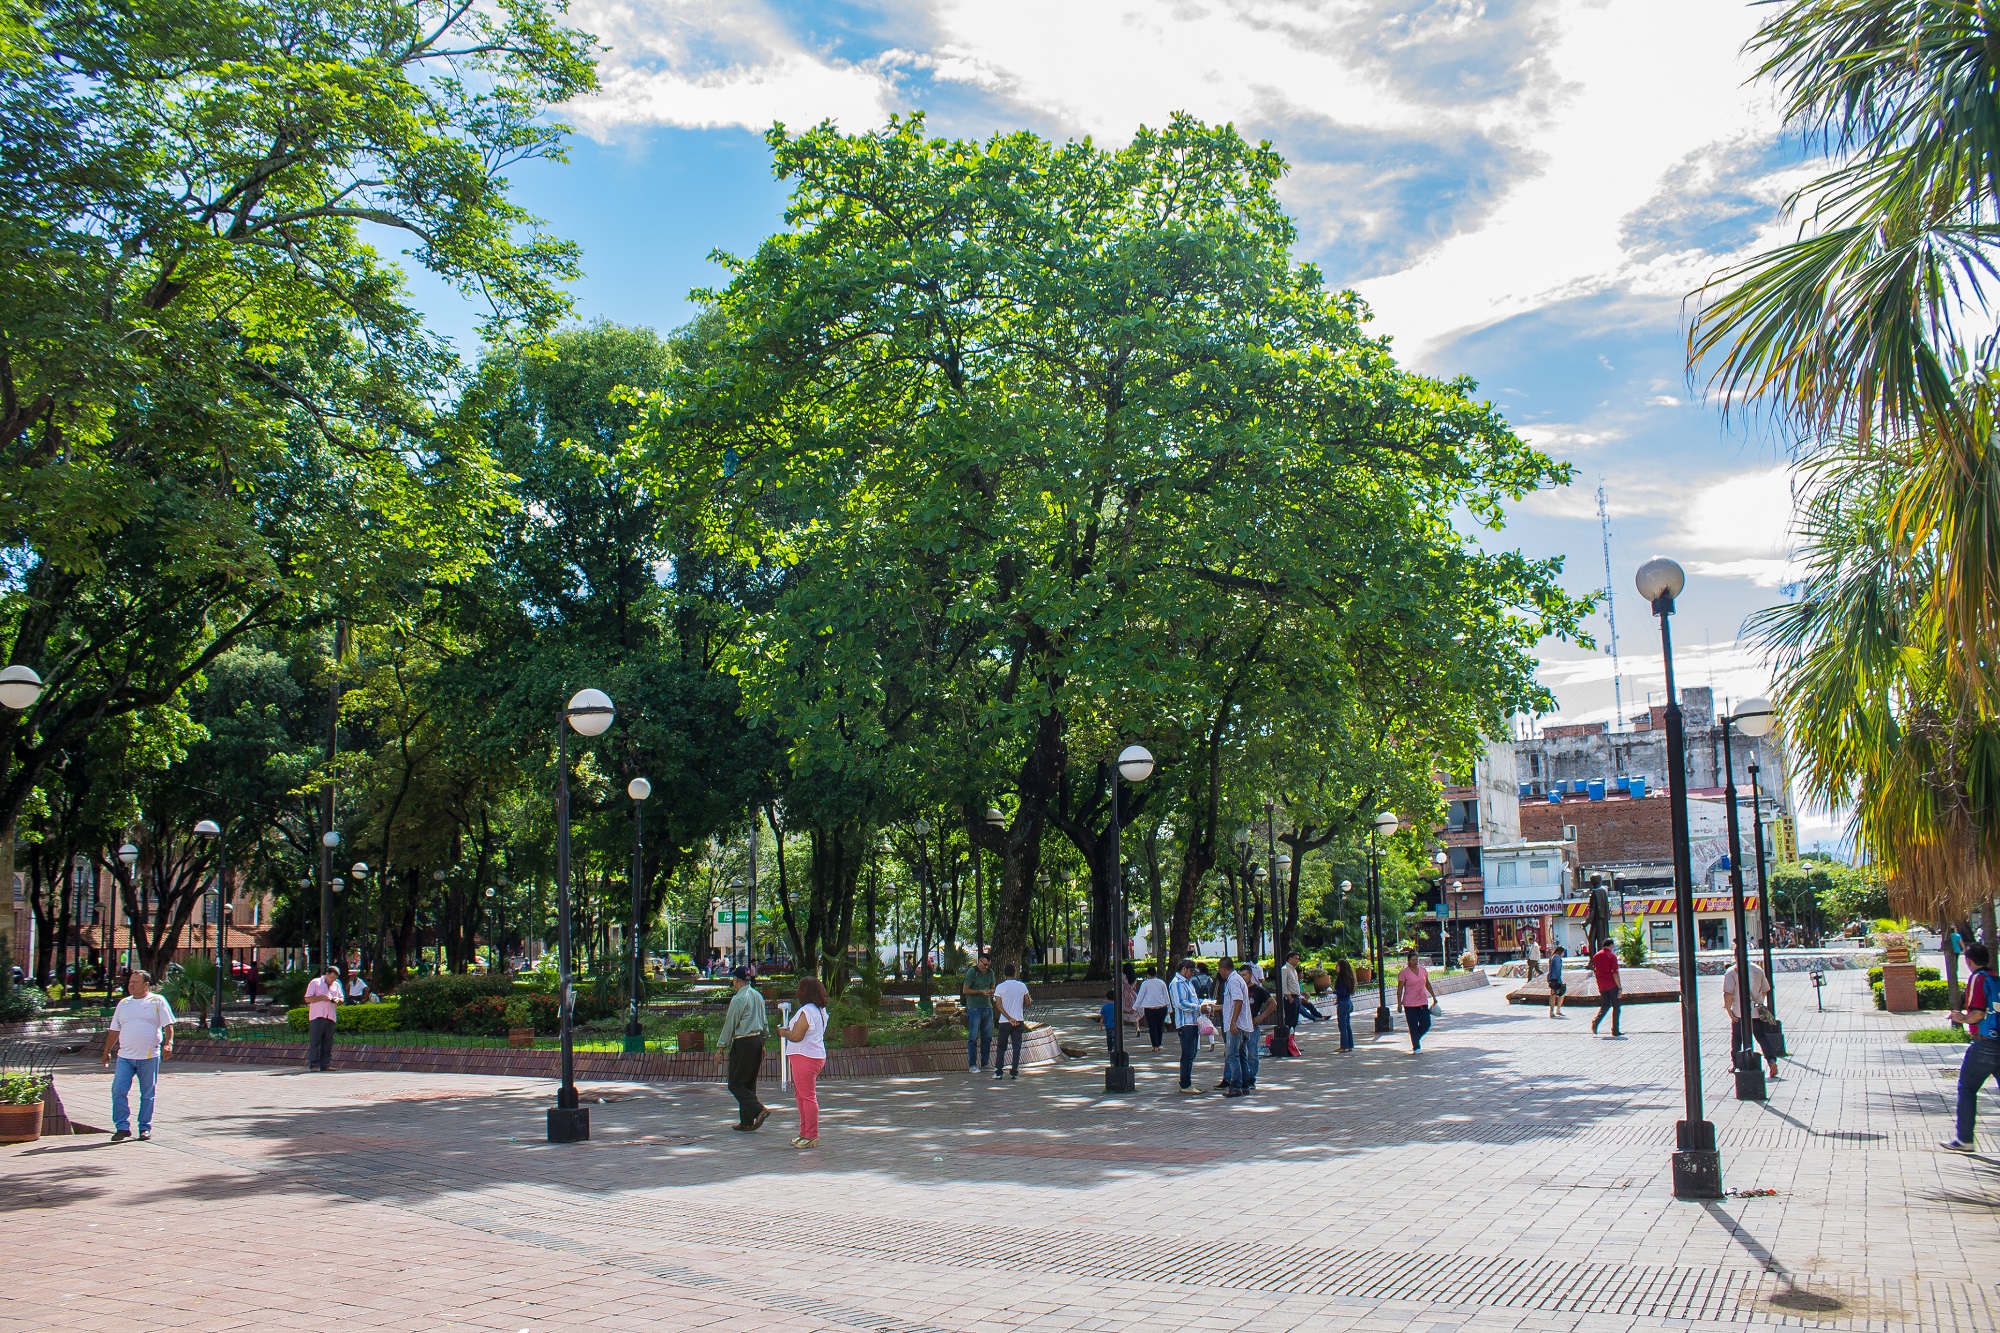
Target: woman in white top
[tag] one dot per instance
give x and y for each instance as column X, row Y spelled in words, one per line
column 807, row 1034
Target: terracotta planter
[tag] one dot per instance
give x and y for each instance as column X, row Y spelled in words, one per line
column 1899, row 988
column 691, row 1041
column 21, row 1124
column 521, row 1039
column 854, row 1034
column 1364, row 975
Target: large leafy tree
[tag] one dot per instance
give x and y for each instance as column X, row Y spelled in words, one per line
column 215, row 393
column 1025, row 422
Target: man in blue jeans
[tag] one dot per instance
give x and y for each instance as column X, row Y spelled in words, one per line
column 976, row 994
column 142, row 1032
column 1981, row 1015
column 1239, row 1031
column 1184, row 1005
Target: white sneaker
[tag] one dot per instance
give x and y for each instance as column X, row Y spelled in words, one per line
column 1953, row 1145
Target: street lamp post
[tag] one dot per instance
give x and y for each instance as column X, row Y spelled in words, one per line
column 922, row 828
column 638, row 789
column 128, row 855
column 1384, row 826
column 1135, row 764
column 1755, row 719
column 589, row 713
column 208, row 828
column 361, row 872
column 1442, row 860
column 1697, row 1165
column 1742, row 1051
column 329, row 841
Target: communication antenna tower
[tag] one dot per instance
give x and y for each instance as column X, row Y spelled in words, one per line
column 1611, row 613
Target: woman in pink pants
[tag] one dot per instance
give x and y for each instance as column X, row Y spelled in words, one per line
column 807, row 1034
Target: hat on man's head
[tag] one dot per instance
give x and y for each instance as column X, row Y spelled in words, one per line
column 741, row 974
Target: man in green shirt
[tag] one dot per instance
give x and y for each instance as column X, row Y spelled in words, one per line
column 740, row 1047
column 976, row 993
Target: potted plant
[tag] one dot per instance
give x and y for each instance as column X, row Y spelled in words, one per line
column 21, row 1107
column 691, row 1037
column 520, row 1025
column 854, row 1034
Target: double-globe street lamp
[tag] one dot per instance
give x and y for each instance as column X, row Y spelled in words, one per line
column 1752, row 718
column 128, row 856
column 1383, row 826
column 1135, row 764
column 1697, row 1165
column 329, row 842
column 635, row 1040
column 589, row 713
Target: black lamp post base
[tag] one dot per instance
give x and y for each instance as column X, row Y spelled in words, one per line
column 1383, row 1021
column 569, row 1124
column 1780, row 1028
column 1120, row 1078
column 1697, row 1166
column 1750, row 1083
column 635, row 1041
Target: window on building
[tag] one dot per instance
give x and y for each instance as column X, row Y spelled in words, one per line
column 1534, row 764
column 1507, row 874
column 1539, row 873
column 1714, row 932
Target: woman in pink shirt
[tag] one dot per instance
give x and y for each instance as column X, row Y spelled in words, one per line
column 1414, row 993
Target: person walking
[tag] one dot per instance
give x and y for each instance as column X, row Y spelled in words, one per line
column 1153, row 1004
column 1186, row 1003
column 976, row 994
column 1557, row 987
column 324, row 997
column 1533, row 954
column 142, row 1034
column 1290, row 994
column 1012, row 999
column 1343, row 1003
column 740, row 1049
column 1107, row 1014
column 1762, row 1021
column 1263, row 1010
column 1239, row 1029
column 807, row 1034
column 1981, row 1015
column 1604, row 966
column 1204, row 984
column 1414, row 993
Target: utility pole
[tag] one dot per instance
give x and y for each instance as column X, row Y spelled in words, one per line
column 1611, row 612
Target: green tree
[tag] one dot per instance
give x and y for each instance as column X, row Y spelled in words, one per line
column 215, row 393
column 1021, row 422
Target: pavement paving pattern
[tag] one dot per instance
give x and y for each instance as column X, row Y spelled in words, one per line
column 1513, row 1176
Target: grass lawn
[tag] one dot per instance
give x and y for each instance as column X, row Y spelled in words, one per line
column 607, row 1034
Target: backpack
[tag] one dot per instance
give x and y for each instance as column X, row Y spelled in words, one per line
column 1989, row 986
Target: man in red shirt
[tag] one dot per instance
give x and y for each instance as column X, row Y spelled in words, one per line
column 1604, row 963
column 1982, row 1053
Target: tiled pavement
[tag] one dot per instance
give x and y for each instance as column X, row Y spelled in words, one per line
column 1514, row 1176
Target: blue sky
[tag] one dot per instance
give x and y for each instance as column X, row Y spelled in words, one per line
column 1525, row 191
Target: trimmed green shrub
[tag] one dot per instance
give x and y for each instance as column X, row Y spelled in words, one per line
column 21, row 1089
column 1923, row 974
column 1930, row 995
column 20, row 1003
column 289, row 988
column 384, row 1017
column 432, row 1003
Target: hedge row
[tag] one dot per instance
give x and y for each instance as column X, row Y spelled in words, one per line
column 1923, row 974
column 384, row 1017
column 1930, row 995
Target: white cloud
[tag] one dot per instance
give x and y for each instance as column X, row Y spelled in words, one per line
column 1747, row 516
column 1764, row 573
column 706, row 65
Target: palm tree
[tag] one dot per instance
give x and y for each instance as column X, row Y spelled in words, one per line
column 1874, row 324
column 1870, row 333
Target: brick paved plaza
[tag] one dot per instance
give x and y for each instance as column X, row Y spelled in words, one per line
column 1514, row 1176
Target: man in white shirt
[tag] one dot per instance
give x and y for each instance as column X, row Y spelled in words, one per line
column 142, row 1032
column 323, row 1000
column 1152, row 1003
column 1186, row 1002
column 1239, row 1029
column 1761, row 1030
column 1011, row 998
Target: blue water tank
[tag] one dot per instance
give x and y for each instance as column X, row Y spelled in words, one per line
column 1525, row 792
column 1555, row 797
column 1638, row 786
column 1622, row 784
column 1597, row 789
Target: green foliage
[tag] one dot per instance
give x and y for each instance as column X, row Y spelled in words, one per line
column 190, row 986
column 1631, row 943
column 288, row 990
column 519, row 1013
column 1944, row 1036
column 1930, row 995
column 1923, row 974
column 433, row 1003
column 20, row 1003
column 22, row 1089
column 384, row 1017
